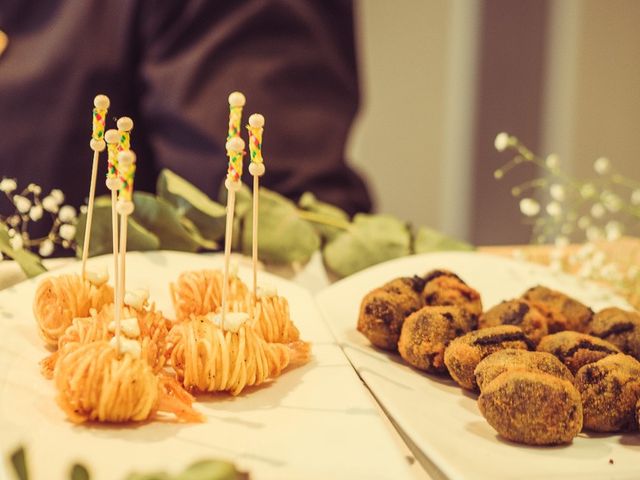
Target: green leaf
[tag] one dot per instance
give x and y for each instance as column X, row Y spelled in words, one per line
column 29, row 262
column 160, row 218
column 209, row 470
column 192, row 203
column 138, row 237
column 371, row 239
column 19, row 462
column 328, row 220
column 429, row 240
column 150, row 476
column 79, row 472
column 283, row 236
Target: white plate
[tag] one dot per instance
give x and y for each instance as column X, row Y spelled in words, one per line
column 317, row 421
column 441, row 420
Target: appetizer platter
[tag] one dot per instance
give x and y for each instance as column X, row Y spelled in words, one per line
column 314, row 421
column 423, row 365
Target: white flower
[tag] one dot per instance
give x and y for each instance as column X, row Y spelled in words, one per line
column 57, row 195
column 67, row 214
column 35, row 213
column 67, row 231
column 8, row 185
column 613, row 230
column 584, row 222
column 635, row 197
column 16, row 242
column 46, row 248
column 612, row 201
column 561, row 242
column 502, row 141
column 597, row 210
column 529, row 207
column 554, row 209
column 594, row 233
column 50, row 204
column 35, row 189
column 557, row 192
column 83, row 209
column 602, row 166
column 552, row 161
column 587, row 190
column 23, row 204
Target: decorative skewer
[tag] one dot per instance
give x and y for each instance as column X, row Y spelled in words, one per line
column 113, row 183
column 101, row 105
column 127, row 170
column 256, row 169
column 235, row 150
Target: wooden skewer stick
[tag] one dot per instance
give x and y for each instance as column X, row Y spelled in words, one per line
column 127, row 167
column 235, row 148
column 113, row 184
column 256, row 169
column 101, row 104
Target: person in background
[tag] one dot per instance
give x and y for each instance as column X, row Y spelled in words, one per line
column 170, row 65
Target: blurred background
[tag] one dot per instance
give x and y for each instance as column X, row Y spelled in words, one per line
column 441, row 78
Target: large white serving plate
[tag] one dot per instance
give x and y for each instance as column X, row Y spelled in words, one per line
column 441, row 420
column 314, row 422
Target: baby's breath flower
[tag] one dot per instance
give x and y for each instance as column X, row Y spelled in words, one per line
column 16, row 242
column 561, row 242
column 67, row 214
column 597, row 210
column 502, row 141
column 602, row 166
column 35, row 213
column 529, row 207
column 67, row 231
column 83, row 209
column 584, row 222
column 611, row 201
column 635, row 197
column 587, row 190
column 13, row 220
column 8, row 185
column 35, row 189
column 57, row 195
column 46, row 248
column 613, row 230
column 50, row 204
column 552, row 161
column 23, row 204
column 554, row 209
column 557, row 192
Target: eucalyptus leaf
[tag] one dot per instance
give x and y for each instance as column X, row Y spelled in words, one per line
column 430, row 240
column 192, row 203
column 160, row 218
column 138, row 237
column 19, row 463
column 29, row 262
column 79, row 472
column 371, row 239
column 283, row 236
column 327, row 219
column 150, row 476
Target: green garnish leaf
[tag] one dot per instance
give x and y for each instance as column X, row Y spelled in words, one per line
column 19, row 462
column 79, row 472
column 29, row 262
column 430, row 240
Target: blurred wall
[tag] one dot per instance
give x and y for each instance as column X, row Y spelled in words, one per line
column 441, row 78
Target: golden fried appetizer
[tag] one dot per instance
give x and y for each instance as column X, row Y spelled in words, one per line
column 94, row 383
column 148, row 326
column 427, row 332
column 463, row 354
column 517, row 312
column 564, row 312
column 273, row 321
column 532, row 408
column 200, row 292
column 576, row 349
column 60, row 299
column 383, row 311
column 511, row 359
column 444, row 288
column 610, row 390
column 208, row 358
column 619, row 327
